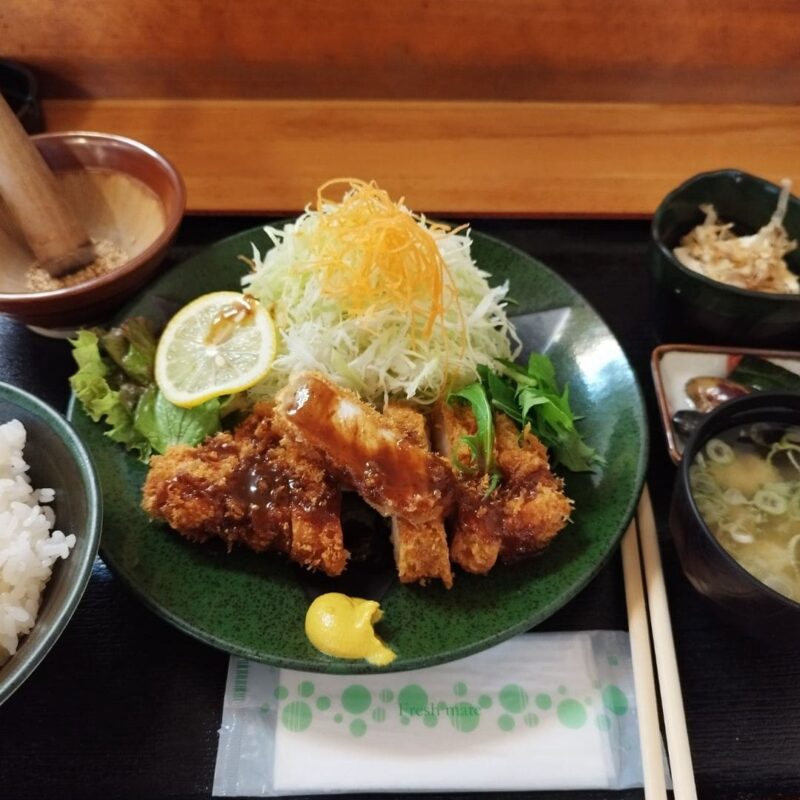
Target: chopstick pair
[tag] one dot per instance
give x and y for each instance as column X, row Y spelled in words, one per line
column 640, row 554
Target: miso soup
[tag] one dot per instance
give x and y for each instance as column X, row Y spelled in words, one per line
column 746, row 484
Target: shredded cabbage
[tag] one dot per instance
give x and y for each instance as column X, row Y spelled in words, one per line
column 384, row 350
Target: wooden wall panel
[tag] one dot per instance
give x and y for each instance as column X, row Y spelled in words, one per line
column 453, row 158
column 575, row 50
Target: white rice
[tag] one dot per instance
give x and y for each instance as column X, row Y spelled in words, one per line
column 27, row 546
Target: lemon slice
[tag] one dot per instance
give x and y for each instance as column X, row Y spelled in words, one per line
column 220, row 343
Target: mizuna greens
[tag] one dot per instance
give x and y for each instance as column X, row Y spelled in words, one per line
column 481, row 445
column 530, row 396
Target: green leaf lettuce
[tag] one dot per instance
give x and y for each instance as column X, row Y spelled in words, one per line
column 114, row 383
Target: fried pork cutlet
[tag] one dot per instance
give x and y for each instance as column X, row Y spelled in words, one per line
column 532, row 499
column 254, row 487
column 368, row 452
column 274, row 484
column 315, row 502
column 475, row 541
column 420, row 549
column 519, row 518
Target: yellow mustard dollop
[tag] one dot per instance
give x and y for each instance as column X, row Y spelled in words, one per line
column 342, row 626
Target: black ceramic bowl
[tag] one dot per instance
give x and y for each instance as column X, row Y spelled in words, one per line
column 691, row 307
column 742, row 599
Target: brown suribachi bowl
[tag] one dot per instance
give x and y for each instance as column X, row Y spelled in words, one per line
column 122, row 191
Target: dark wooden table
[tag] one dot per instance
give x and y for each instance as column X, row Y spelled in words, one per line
column 125, row 706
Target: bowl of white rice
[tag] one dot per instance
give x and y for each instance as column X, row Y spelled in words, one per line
column 50, row 523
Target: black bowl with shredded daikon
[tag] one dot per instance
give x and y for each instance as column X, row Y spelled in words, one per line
column 724, row 262
column 713, row 506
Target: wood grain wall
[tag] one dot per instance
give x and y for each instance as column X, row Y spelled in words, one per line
column 576, row 50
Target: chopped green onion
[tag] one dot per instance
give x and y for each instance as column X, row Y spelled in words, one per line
column 794, row 506
column 788, row 447
column 740, row 537
column 733, row 497
column 771, row 502
column 718, row 451
column 794, row 550
column 792, row 436
column 711, row 508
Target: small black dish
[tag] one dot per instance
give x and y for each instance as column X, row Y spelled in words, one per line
column 19, row 87
column 691, row 307
column 741, row 598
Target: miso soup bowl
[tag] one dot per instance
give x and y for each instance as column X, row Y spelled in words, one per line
column 743, row 600
column 689, row 307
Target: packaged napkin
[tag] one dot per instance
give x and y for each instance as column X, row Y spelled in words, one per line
column 541, row 711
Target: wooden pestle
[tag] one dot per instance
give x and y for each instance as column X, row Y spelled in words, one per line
column 31, row 193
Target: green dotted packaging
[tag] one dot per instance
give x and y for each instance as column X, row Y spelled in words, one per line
column 541, row 711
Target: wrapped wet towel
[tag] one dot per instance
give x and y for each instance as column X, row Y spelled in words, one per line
column 541, row 711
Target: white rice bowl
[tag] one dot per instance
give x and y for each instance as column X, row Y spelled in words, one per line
column 28, row 544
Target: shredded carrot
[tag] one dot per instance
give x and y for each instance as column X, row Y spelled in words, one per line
column 372, row 253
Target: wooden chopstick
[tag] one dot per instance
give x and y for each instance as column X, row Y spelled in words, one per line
column 643, row 678
column 680, row 756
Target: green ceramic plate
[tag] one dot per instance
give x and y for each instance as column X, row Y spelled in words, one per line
column 254, row 605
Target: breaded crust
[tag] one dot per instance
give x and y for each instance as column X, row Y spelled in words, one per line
column 475, row 525
column 253, row 487
column 420, row 549
column 520, row 517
